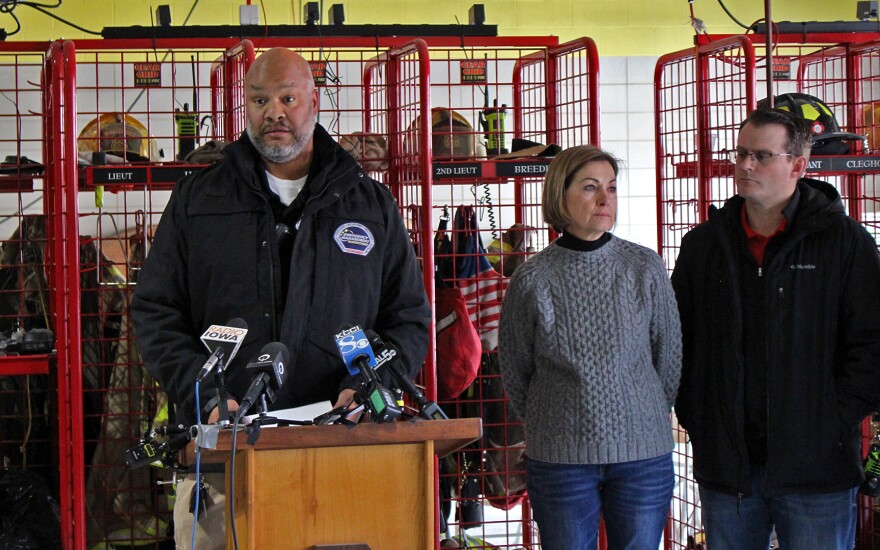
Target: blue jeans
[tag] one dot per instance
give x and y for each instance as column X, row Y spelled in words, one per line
column 826, row 521
column 633, row 497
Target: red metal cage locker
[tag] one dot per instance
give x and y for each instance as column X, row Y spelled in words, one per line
column 489, row 210
column 129, row 116
column 864, row 117
column 701, row 96
column 227, row 101
column 141, row 114
column 35, row 264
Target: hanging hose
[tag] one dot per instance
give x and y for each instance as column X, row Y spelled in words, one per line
column 490, row 212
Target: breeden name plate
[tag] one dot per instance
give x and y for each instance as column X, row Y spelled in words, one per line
column 518, row 169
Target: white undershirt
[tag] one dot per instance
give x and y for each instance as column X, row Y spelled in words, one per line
column 287, row 190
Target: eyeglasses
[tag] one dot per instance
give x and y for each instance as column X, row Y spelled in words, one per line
column 761, row 157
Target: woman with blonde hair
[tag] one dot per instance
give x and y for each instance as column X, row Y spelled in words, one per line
column 590, row 348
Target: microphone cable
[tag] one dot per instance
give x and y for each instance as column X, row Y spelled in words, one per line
column 231, row 495
column 198, row 477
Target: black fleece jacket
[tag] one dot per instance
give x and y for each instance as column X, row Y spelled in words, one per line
column 215, row 257
column 821, row 285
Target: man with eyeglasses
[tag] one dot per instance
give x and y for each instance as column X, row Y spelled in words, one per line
column 779, row 296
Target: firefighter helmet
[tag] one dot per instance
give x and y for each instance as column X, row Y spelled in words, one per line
column 118, row 134
column 452, row 136
column 828, row 139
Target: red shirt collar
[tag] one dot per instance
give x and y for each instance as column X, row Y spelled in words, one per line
column 756, row 242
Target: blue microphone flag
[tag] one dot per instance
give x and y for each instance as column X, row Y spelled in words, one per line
column 353, row 344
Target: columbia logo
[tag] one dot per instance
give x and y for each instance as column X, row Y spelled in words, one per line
column 803, row 266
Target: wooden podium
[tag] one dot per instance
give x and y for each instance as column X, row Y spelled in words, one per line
column 308, row 487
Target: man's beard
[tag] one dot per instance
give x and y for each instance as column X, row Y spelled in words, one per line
column 281, row 153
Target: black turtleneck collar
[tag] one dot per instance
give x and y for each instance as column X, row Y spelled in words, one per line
column 567, row 240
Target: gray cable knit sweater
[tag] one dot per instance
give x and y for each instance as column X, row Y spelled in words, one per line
column 590, row 348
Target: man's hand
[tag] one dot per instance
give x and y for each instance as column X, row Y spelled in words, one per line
column 346, row 398
column 215, row 413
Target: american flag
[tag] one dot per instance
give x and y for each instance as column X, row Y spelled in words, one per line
column 481, row 286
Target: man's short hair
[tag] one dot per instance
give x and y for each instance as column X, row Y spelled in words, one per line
column 800, row 138
column 559, row 177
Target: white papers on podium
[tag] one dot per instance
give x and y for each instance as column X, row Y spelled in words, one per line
column 306, row 412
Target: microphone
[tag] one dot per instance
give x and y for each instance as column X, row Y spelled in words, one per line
column 222, row 342
column 386, row 354
column 270, row 366
column 357, row 354
column 355, row 349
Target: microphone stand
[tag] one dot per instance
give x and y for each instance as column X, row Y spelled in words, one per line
column 222, row 394
column 263, row 419
column 429, row 410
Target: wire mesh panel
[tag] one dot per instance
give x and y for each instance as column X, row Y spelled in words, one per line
column 573, row 105
column 675, row 112
column 143, row 118
column 140, row 123
column 530, row 97
column 487, row 214
column 32, row 389
column 681, row 204
column 483, row 485
column 395, row 101
column 146, row 117
column 227, row 101
column 814, row 68
column 62, row 233
column 701, row 96
column 864, row 204
column 22, row 173
column 564, row 112
column 864, row 113
column 824, row 72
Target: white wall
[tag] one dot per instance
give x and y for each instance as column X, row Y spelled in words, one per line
column 626, row 109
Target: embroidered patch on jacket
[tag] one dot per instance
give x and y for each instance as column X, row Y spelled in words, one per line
column 354, row 238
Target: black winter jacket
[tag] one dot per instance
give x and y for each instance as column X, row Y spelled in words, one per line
column 215, row 257
column 822, row 282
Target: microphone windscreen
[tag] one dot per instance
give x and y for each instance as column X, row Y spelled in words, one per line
column 272, row 350
column 237, row 322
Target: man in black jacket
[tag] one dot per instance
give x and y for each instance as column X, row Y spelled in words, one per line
column 779, row 294
column 289, row 234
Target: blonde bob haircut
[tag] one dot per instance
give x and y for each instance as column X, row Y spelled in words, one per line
column 559, row 176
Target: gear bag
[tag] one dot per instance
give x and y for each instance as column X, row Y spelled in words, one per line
column 458, row 344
